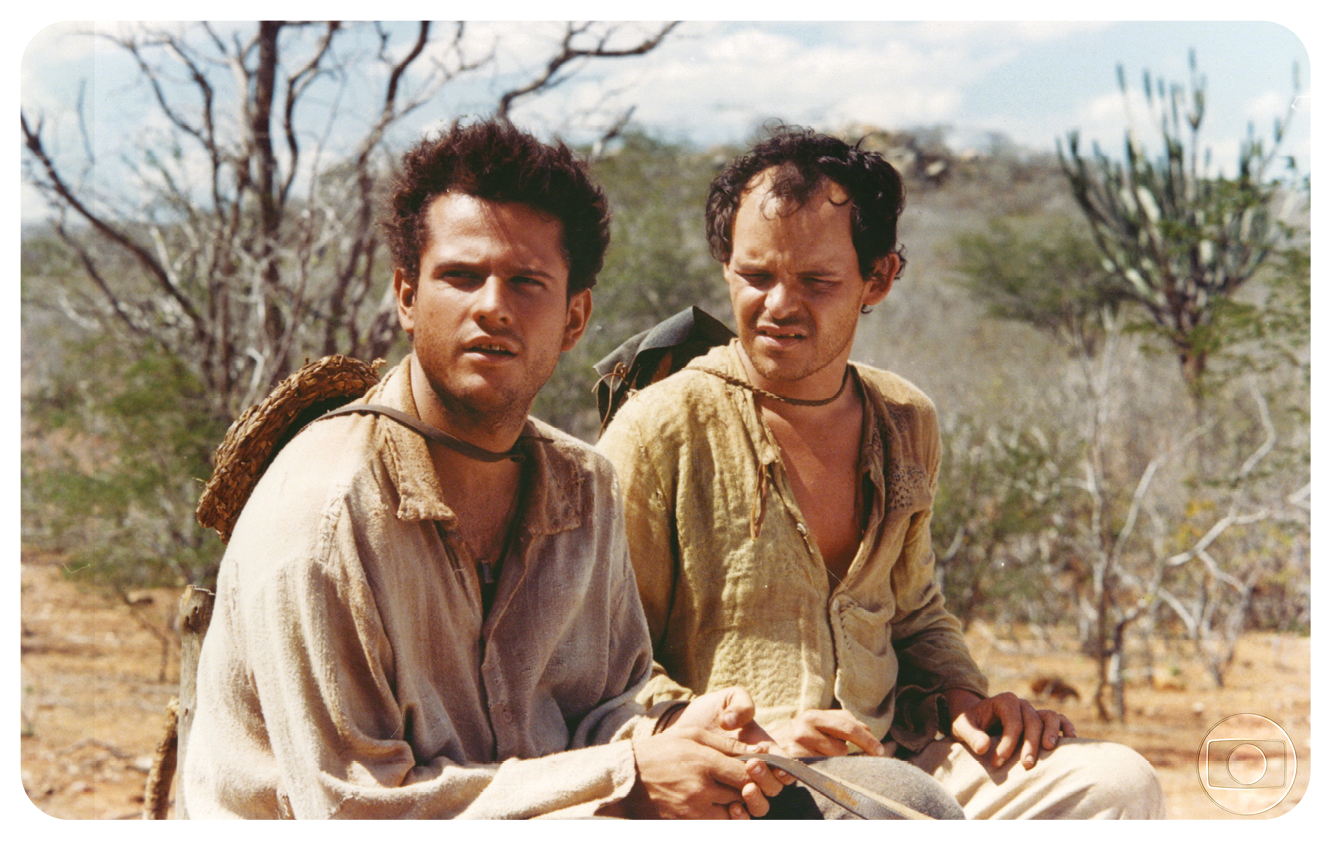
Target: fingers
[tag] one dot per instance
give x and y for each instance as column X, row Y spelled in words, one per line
column 726, row 709
column 767, row 779
column 1032, row 734
column 730, row 777
column 716, row 740
column 1056, row 726
column 1012, row 722
column 752, row 734
column 755, row 802
column 687, row 773
column 737, row 708
column 826, row 733
column 1067, row 727
column 808, row 741
column 966, row 732
column 848, row 729
column 1019, row 724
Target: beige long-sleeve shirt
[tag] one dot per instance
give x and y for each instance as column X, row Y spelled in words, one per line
column 349, row 670
column 731, row 577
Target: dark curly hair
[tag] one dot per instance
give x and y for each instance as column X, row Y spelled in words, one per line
column 802, row 160
column 496, row 161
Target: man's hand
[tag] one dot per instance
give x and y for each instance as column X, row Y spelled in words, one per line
column 826, row 733
column 729, row 711
column 689, row 772
column 975, row 720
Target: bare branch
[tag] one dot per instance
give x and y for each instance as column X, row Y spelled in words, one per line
column 1264, row 413
column 55, row 183
column 297, row 83
column 568, row 54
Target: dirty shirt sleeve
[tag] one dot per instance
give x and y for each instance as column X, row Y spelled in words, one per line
column 649, row 516
column 931, row 650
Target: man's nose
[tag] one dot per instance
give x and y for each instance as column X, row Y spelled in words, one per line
column 781, row 300
column 492, row 301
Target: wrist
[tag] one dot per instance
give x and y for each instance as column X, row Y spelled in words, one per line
column 633, row 804
column 670, row 716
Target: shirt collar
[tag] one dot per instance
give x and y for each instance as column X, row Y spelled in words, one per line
column 550, row 465
column 726, row 359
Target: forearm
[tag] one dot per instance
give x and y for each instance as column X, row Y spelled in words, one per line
column 932, row 652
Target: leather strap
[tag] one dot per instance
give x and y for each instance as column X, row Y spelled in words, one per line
column 438, row 435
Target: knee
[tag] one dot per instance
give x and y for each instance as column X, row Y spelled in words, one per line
column 1120, row 783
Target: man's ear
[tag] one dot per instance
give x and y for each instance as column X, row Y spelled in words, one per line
column 575, row 322
column 880, row 279
column 404, row 288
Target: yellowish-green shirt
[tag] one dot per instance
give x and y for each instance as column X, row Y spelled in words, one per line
column 730, row 575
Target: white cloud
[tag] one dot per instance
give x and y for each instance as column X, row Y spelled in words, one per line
column 827, row 74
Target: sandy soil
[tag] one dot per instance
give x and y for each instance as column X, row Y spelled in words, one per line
column 96, row 678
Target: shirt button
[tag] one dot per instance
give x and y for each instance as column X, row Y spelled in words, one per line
column 799, row 527
column 507, row 715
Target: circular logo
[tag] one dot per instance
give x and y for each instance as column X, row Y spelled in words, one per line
column 1246, row 764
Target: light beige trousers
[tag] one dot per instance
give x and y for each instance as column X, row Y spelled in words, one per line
column 1079, row 779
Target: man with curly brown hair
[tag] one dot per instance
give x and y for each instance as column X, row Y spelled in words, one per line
column 426, row 608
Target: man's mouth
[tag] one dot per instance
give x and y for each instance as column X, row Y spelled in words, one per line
column 492, row 348
column 781, row 334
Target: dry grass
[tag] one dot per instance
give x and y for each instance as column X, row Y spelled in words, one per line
column 1168, row 718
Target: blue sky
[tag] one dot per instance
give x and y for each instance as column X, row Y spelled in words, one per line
column 715, row 81
column 1032, row 81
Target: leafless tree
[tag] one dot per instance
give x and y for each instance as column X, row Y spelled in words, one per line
column 1130, row 572
column 245, row 240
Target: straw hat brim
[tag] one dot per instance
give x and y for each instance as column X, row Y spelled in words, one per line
column 255, row 437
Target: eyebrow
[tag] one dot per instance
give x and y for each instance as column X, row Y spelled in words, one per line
column 521, row 271
column 742, row 267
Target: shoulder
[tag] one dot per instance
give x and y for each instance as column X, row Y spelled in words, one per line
column 899, row 398
column 329, row 473
column 570, row 452
column 671, row 419
column 679, row 402
column 893, row 388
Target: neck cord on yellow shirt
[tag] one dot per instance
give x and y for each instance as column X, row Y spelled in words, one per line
column 762, row 392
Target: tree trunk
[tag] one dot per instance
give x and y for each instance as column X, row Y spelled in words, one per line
column 1117, row 677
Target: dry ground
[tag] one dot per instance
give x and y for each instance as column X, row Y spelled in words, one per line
column 95, row 684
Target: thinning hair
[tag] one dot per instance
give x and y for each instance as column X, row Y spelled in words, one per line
column 800, row 162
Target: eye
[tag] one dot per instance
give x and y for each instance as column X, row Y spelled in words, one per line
column 458, row 276
column 526, row 282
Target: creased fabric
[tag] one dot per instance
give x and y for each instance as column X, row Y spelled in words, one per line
column 350, row 672
column 732, row 581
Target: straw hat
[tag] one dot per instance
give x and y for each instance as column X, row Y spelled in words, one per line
column 256, row 436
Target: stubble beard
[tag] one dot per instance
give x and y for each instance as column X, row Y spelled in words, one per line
column 489, row 414
column 810, row 359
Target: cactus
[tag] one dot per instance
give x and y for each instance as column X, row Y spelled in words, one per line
column 1178, row 236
